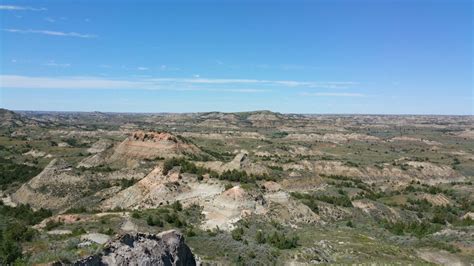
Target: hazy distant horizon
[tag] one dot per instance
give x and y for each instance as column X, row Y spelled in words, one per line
column 230, row 112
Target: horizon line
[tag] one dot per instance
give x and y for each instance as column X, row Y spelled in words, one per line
column 252, row 111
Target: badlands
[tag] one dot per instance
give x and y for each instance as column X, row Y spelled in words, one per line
column 252, row 188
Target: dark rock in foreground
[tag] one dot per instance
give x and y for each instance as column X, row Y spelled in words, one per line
column 166, row 248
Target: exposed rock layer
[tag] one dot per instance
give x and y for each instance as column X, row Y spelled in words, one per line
column 151, row 145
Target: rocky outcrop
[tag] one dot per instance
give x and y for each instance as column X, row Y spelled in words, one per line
column 99, row 146
column 336, row 138
column 265, row 119
column 153, row 190
column 425, row 172
column 56, row 187
column 166, row 248
column 151, row 145
column 241, row 162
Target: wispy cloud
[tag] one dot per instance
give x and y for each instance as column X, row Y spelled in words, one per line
column 223, row 90
column 280, row 83
column 54, row 64
column 333, row 94
column 26, row 82
column 19, row 8
column 141, row 68
column 286, row 67
column 180, row 84
column 168, row 68
column 49, row 19
column 52, row 33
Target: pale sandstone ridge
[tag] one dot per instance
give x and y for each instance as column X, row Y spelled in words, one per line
column 280, row 206
column 426, row 141
column 241, row 162
column 230, row 206
column 469, row 134
column 469, row 215
column 439, row 257
column 271, row 186
column 99, row 146
column 165, row 248
column 424, row 172
column 151, row 145
column 35, row 153
column 380, row 211
column 331, row 137
column 220, row 208
column 437, row 200
column 56, row 187
column 153, row 190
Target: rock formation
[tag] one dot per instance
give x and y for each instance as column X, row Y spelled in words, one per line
column 151, row 145
column 166, row 248
column 241, row 162
column 56, row 187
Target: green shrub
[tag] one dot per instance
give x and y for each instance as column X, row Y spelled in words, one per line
column 238, row 233
column 279, row 134
column 275, row 167
column 158, row 222
column 13, row 173
column 282, row 241
column 74, row 143
column 179, row 223
column 78, row 231
column 150, row 221
column 186, row 166
column 172, row 218
column 15, row 229
column 228, row 186
column 10, row 250
column 125, row 183
column 77, row 210
column 52, row 224
column 154, row 221
column 230, row 175
column 465, row 222
column 260, row 237
column 190, row 232
column 412, row 228
column 24, row 213
column 177, row 206
column 307, row 200
column 341, row 201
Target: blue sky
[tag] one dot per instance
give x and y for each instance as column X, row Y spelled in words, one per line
column 379, row 57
